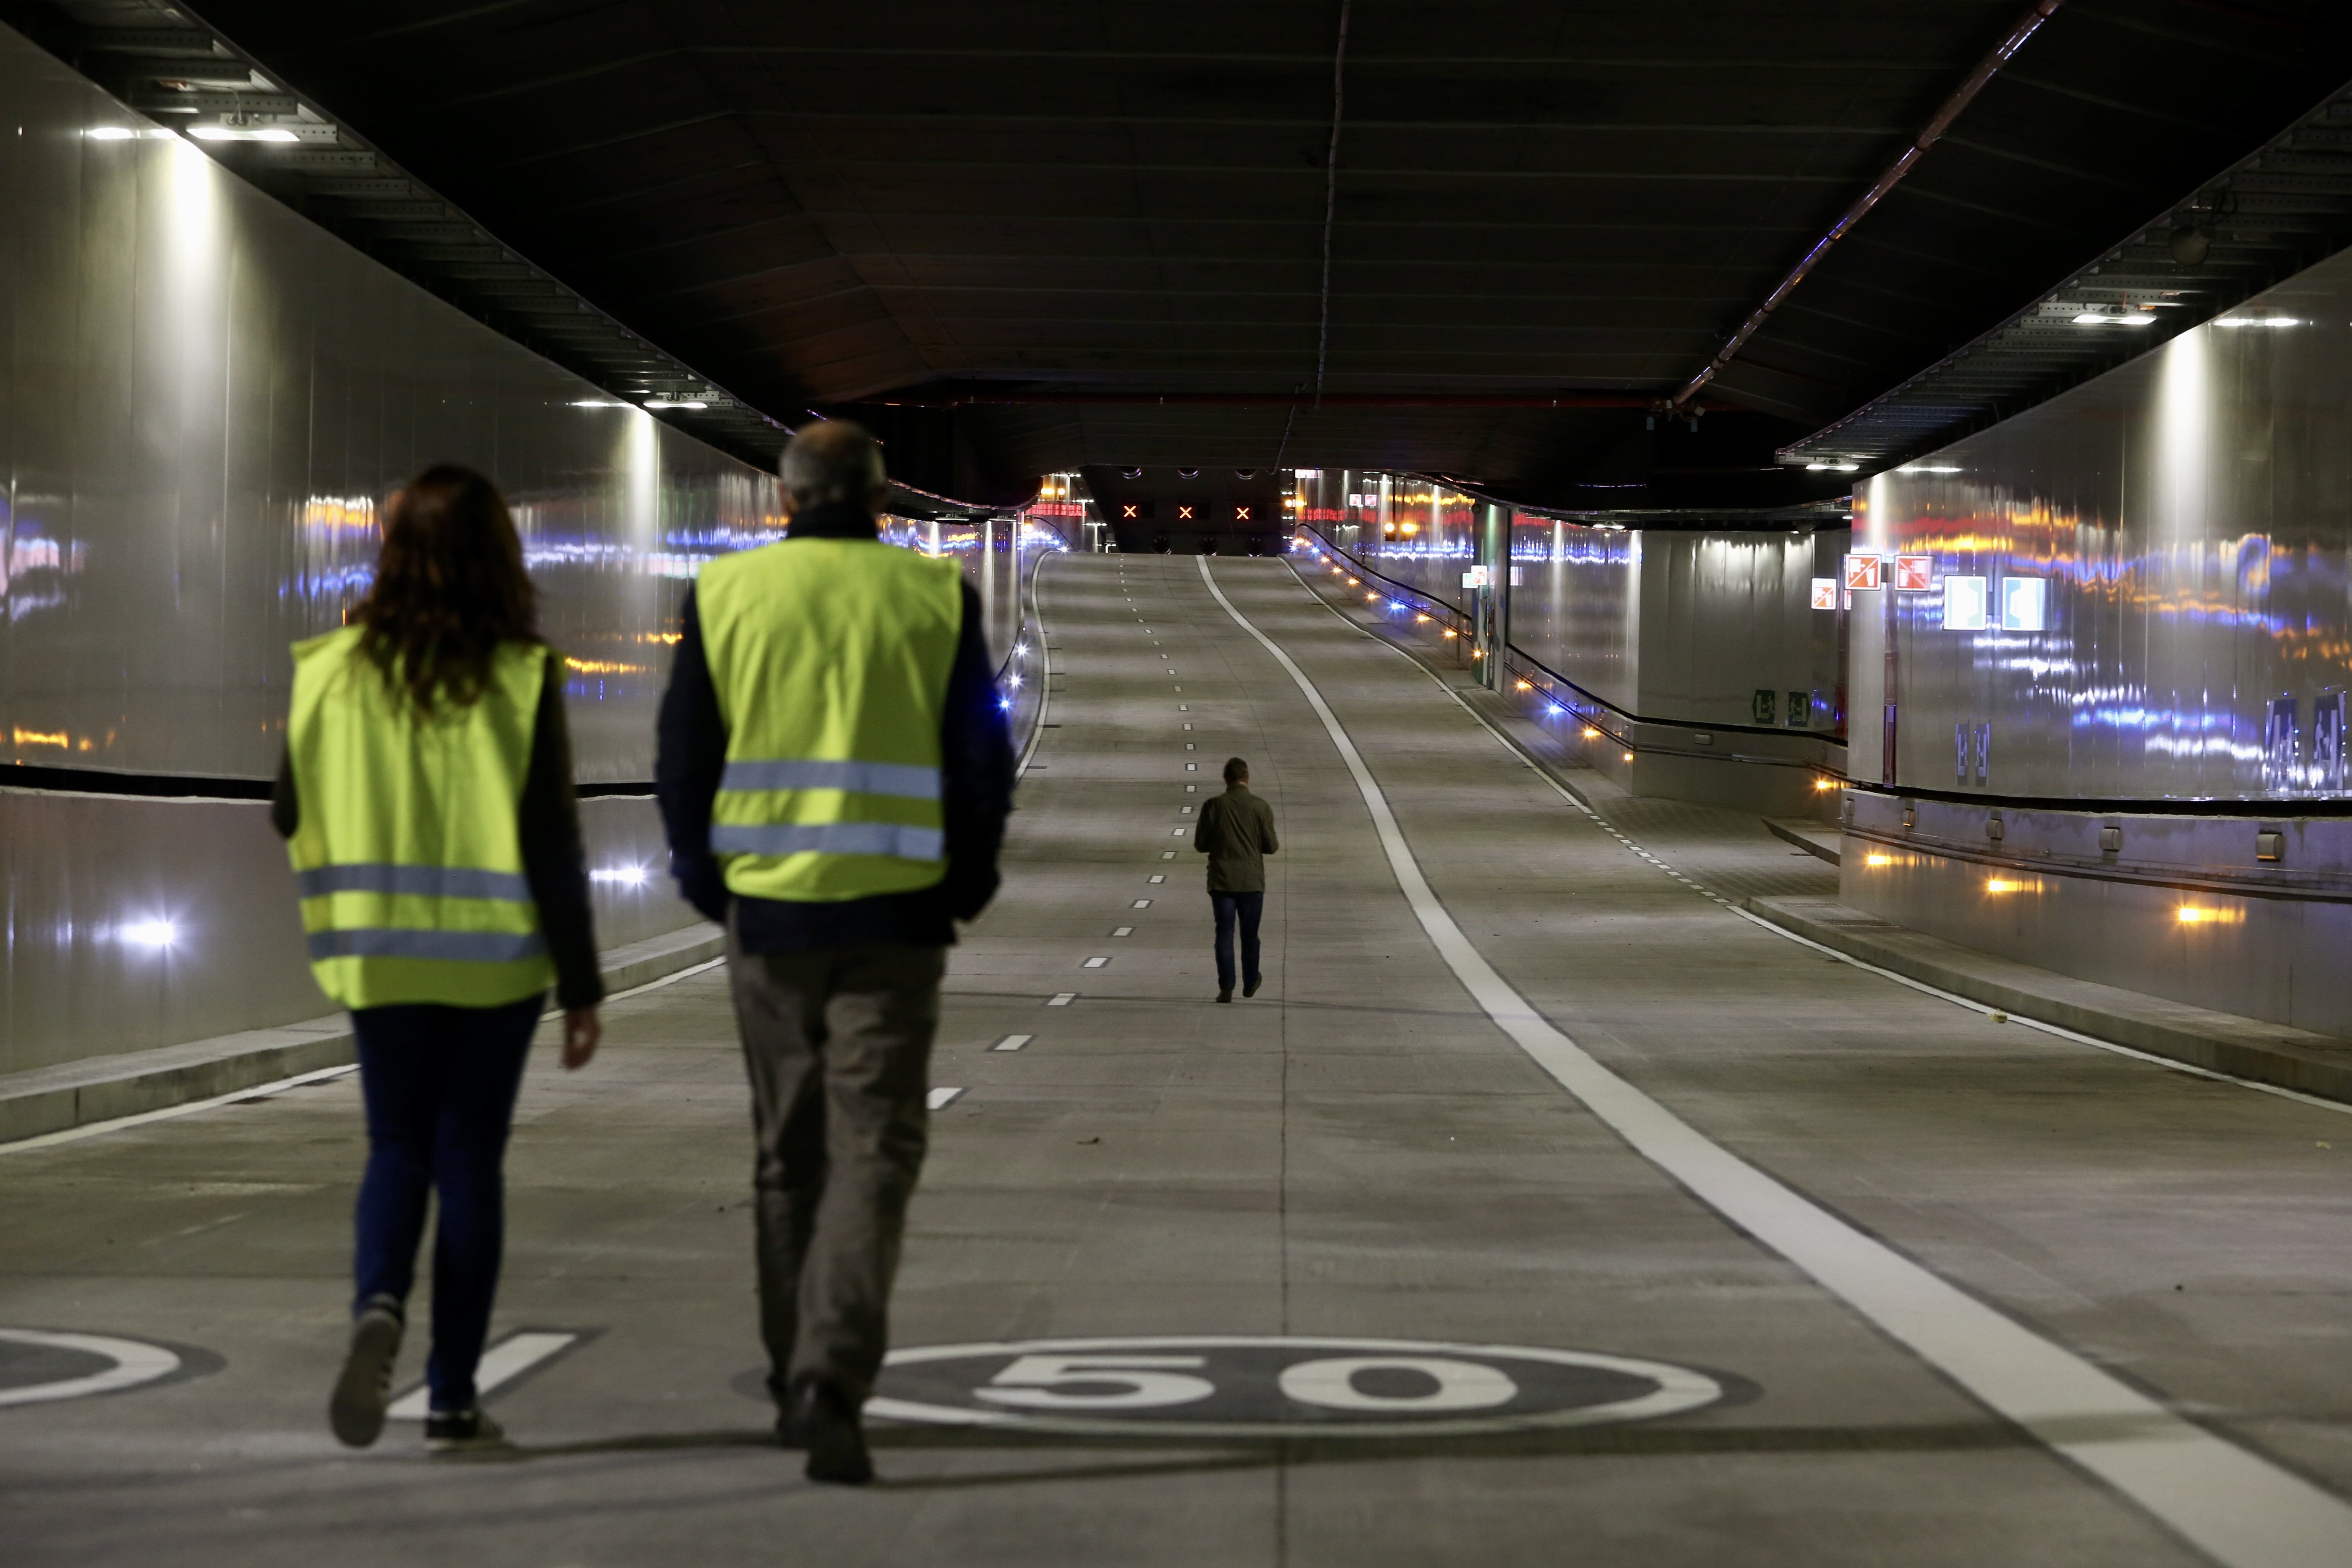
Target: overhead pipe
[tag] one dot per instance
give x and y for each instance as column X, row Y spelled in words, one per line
column 1990, row 66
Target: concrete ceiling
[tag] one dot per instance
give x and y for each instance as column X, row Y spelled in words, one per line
column 1002, row 232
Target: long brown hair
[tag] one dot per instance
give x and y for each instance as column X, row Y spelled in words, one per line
column 449, row 587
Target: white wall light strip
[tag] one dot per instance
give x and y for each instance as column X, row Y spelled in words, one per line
column 2241, row 1509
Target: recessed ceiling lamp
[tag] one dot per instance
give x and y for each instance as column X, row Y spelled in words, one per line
column 2257, row 322
column 1245, row 473
column 1188, row 473
column 1131, row 473
column 110, row 134
column 655, row 404
column 1831, row 468
column 2125, row 318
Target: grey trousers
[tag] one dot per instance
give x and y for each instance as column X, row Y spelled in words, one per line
column 838, row 1045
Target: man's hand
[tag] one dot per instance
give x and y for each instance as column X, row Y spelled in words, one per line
column 582, row 1030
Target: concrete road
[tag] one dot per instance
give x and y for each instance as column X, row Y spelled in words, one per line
column 1358, row 1172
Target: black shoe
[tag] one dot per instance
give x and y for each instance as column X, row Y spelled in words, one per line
column 1250, row 989
column 827, row 1424
column 1227, row 994
column 466, row 1428
column 356, row 1409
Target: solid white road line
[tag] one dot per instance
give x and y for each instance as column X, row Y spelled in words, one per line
column 940, row 1099
column 500, row 1364
column 1011, row 1042
column 1061, row 998
column 2240, row 1508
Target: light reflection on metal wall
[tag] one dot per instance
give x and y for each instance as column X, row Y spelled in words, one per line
column 1674, row 625
column 206, row 401
column 2190, row 516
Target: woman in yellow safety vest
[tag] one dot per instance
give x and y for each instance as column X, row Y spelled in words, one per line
column 426, row 802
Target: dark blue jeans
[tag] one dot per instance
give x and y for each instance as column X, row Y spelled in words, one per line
column 1245, row 908
column 440, row 1085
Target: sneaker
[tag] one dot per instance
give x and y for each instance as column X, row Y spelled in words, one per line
column 827, row 1423
column 364, row 1389
column 1227, row 994
column 460, row 1429
column 1250, row 989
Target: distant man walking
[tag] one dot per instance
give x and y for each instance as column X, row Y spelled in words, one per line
column 1236, row 833
column 833, row 775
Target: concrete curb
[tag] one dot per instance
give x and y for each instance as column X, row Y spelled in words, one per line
column 2221, row 1042
column 101, row 1089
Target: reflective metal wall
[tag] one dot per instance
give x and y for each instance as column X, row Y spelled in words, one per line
column 1674, row 626
column 2185, row 523
column 203, row 400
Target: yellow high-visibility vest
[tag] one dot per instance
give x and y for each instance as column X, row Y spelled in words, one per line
column 408, row 853
column 831, row 658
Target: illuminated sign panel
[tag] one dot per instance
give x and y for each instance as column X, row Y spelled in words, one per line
column 1965, row 602
column 1825, row 593
column 2023, row 601
column 1914, row 573
column 1862, row 573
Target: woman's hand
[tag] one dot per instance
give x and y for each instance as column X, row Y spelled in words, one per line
column 582, row 1030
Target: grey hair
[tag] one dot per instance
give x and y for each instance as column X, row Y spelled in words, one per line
column 832, row 461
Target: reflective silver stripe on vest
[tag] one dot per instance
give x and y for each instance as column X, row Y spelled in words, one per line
column 400, row 942
column 431, row 881
column 862, row 778
column 831, row 839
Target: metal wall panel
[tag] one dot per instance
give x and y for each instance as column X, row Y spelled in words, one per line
column 137, row 922
column 1675, row 625
column 1576, row 604
column 203, row 399
column 2189, row 517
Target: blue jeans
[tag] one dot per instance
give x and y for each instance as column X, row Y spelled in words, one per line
column 440, row 1085
column 1245, row 908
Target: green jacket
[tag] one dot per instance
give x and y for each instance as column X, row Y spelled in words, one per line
column 1236, row 833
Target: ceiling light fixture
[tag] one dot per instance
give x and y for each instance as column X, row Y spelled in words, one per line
column 661, row 403
column 110, row 134
column 240, row 133
column 2126, row 318
column 2257, row 322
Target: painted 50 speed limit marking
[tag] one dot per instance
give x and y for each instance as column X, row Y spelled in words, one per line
column 1247, row 1387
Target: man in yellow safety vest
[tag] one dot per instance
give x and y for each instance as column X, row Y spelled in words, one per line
column 834, row 770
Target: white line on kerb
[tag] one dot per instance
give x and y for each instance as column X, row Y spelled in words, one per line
column 168, row 1112
column 2241, row 1509
column 500, row 1364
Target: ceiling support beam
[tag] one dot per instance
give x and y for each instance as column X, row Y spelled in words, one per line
column 1986, row 69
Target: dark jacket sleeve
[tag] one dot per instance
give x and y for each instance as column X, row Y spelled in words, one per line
column 976, row 758
column 690, row 753
column 554, row 861
column 284, row 805
column 1205, row 835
